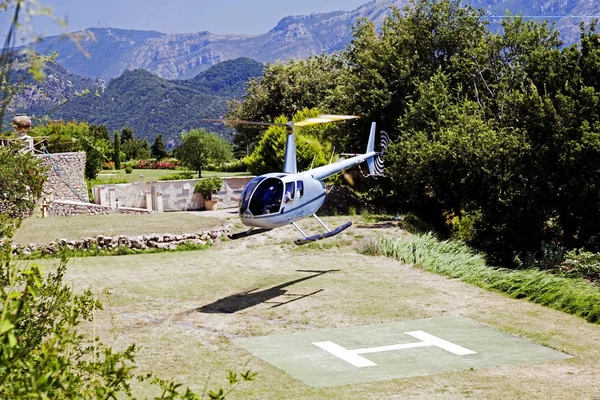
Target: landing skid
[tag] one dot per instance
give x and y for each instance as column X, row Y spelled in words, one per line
column 249, row 232
column 314, row 238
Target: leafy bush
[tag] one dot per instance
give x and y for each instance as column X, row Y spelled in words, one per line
column 582, row 264
column 177, row 176
column 108, row 165
column 233, row 166
column 208, row 186
column 130, row 163
column 164, row 165
column 144, row 164
column 128, row 170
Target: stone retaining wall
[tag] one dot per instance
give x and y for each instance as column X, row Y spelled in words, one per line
column 67, row 208
column 163, row 241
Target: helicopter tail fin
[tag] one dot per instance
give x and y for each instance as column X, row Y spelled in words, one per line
column 371, row 148
column 289, row 163
column 376, row 163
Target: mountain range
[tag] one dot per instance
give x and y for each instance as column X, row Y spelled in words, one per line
column 166, row 83
column 139, row 99
column 112, row 51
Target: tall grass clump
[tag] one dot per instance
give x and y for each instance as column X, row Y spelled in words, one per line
column 456, row 260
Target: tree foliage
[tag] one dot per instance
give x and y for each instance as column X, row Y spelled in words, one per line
column 285, row 89
column 117, row 150
column 21, row 181
column 200, row 148
column 311, row 146
column 496, row 136
column 158, row 149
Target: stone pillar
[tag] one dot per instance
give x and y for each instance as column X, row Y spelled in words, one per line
column 149, row 201
column 113, row 197
column 101, row 199
column 159, row 202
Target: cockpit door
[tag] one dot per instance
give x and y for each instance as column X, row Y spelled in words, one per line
column 267, row 198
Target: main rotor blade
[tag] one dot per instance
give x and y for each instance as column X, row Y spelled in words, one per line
column 322, row 119
column 242, row 122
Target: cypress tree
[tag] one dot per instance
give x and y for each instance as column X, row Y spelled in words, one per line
column 159, row 150
column 117, row 151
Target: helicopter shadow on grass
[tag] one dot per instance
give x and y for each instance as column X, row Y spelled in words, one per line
column 241, row 301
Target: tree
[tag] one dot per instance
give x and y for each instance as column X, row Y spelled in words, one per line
column 127, row 135
column 200, row 148
column 22, row 179
column 136, row 149
column 159, row 150
column 311, row 147
column 117, row 151
column 287, row 88
column 101, row 131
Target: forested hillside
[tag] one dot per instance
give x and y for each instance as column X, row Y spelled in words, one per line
column 495, row 136
column 152, row 105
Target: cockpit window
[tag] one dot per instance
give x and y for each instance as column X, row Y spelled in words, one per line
column 267, row 197
column 290, row 192
column 299, row 189
column 250, row 186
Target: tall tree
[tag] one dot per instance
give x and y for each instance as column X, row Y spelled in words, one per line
column 159, row 150
column 117, row 151
column 200, row 148
column 127, row 134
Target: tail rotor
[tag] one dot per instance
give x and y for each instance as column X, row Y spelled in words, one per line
column 383, row 144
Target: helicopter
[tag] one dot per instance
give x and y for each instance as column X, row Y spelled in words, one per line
column 279, row 199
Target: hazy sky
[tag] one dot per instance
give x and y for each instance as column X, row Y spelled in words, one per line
column 172, row 16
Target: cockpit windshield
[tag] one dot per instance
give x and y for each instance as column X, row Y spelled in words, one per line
column 250, row 186
column 267, row 197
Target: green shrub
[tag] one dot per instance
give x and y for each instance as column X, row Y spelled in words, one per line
column 128, row 170
column 208, row 186
column 233, row 166
column 582, row 264
column 177, row 176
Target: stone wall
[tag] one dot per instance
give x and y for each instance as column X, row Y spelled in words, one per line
column 67, row 207
column 65, row 176
column 167, row 195
column 142, row 242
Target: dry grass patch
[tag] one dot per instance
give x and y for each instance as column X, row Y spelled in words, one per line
column 184, row 309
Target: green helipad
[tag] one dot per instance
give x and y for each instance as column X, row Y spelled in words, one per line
column 340, row 356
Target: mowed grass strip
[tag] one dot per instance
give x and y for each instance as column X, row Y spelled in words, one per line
column 45, row 230
column 457, row 260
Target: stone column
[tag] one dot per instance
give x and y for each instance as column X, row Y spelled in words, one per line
column 113, row 197
column 149, row 201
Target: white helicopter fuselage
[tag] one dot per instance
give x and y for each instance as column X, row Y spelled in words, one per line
column 281, row 198
column 278, row 199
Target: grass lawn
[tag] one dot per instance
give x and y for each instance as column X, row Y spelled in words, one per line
column 45, row 230
column 146, row 175
column 166, row 303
